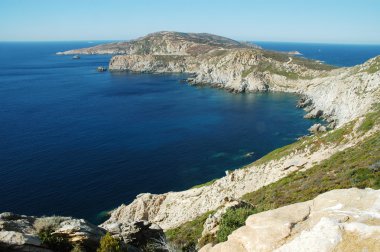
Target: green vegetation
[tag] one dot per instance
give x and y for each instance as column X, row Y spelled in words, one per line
column 54, row 242
column 233, row 219
column 375, row 66
column 78, row 248
column 350, row 168
column 267, row 66
column 204, row 184
column 185, row 237
column 283, row 57
column 371, row 119
column 109, row 244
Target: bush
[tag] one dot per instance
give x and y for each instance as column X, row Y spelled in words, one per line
column 232, row 220
column 185, row 237
column 54, row 242
column 77, row 248
column 48, row 223
column 109, row 244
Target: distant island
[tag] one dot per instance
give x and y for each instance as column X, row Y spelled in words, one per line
column 258, row 206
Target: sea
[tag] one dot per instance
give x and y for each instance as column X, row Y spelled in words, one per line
column 77, row 142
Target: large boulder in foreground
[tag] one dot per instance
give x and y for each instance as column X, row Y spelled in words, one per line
column 56, row 233
column 339, row 220
column 140, row 235
column 23, row 233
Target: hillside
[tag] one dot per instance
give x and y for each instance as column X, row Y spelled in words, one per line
column 165, row 43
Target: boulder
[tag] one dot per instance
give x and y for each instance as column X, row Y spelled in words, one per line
column 21, row 232
column 317, row 128
column 141, row 235
column 339, row 220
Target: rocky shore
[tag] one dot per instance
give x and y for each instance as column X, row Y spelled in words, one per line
column 345, row 97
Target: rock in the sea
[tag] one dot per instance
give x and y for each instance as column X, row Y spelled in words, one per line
column 315, row 128
column 314, row 114
column 339, row 220
column 101, row 69
column 304, row 102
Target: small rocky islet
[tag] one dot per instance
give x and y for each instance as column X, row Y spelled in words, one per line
column 346, row 98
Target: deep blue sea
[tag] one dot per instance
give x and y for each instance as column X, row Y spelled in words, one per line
column 77, row 142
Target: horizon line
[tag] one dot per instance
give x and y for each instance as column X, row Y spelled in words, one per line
column 242, row 40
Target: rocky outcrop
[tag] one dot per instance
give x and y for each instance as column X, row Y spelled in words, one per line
column 211, row 225
column 339, row 220
column 140, row 234
column 23, row 233
column 339, row 95
column 317, row 128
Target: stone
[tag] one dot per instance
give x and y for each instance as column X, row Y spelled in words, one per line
column 316, row 128
column 338, row 220
column 141, row 235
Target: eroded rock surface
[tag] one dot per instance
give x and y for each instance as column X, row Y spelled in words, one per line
column 339, row 220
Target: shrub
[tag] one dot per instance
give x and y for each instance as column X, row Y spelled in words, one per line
column 77, row 248
column 109, row 244
column 54, row 242
column 48, row 223
column 232, row 220
column 185, row 237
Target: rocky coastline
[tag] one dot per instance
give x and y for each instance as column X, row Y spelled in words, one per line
column 344, row 97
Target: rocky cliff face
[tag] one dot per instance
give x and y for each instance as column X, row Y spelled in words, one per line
column 339, row 220
column 340, row 95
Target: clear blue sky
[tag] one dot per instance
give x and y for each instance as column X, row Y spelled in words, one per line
column 330, row 21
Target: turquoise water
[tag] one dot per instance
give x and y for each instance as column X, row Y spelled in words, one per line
column 78, row 142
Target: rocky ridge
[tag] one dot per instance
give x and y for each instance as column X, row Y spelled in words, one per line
column 336, row 94
column 339, row 220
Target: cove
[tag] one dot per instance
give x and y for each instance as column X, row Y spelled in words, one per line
column 77, row 142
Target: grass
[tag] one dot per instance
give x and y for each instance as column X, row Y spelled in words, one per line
column 346, row 169
column 283, row 57
column 371, row 119
column 374, row 67
column 204, row 184
column 185, row 237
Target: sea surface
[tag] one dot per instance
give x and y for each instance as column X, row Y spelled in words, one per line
column 77, row 142
column 334, row 54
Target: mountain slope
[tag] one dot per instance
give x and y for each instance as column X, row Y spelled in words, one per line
column 165, row 43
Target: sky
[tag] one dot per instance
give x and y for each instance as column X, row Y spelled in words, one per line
column 319, row 21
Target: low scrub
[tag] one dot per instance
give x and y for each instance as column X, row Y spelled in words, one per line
column 231, row 220
column 109, row 244
column 185, row 237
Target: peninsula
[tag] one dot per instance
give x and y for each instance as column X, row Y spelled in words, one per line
column 327, row 171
